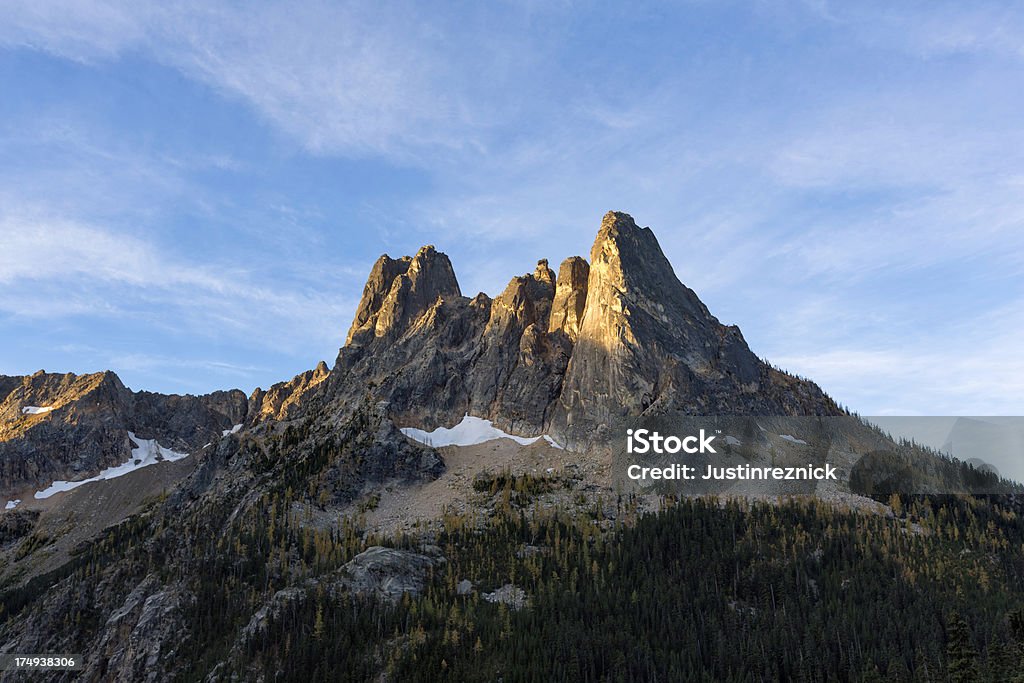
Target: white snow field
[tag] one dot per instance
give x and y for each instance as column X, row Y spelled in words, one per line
column 147, row 452
column 787, row 437
column 469, row 432
column 233, row 430
column 35, row 410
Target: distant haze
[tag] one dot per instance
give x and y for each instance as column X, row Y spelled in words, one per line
column 993, row 442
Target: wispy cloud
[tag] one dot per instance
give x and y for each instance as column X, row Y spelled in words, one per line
column 357, row 79
column 51, row 265
column 973, row 367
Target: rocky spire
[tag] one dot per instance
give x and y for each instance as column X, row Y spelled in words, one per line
column 399, row 291
column 544, row 274
column 570, row 297
column 519, row 370
column 525, row 301
column 643, row 334
column 378, row 284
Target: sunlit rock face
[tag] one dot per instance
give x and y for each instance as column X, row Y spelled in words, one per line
column 573, row 356
column 399, row 292
column 645, row 336
column 570, row 355
column 570, row 297
column 285, row 400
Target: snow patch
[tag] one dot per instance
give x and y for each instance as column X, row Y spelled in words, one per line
column 11, row 504
column 147, row 452
column 733, row 441
column 554, row 443
column 233, row 430
column 469, row 432
column 35, row 410
column 787, row 437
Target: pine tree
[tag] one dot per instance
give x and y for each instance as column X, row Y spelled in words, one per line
column 962, row 657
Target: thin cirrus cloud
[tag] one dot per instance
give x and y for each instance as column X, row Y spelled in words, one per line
column 52, row 266
column 364, row 80
column 40, row 247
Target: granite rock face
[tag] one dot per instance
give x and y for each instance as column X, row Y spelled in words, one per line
column 67, row 426
column 569, row 355
column 388, row 573
column 647, row 342
column 399, row 292
column 454, row 355
column 572, row 355
column 570, row 297
column 520, row 366
column 140, row 639
column 284, row 400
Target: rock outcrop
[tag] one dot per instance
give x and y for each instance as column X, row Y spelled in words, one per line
column 388, row 573
column 399, row 292
column 141, row 638
column 284, row 400
column 520, row 366
column 67, row 426
column 647, row 342
column 569, row 355
column 570, row 297
column 510, row 595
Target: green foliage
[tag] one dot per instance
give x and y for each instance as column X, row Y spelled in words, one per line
column 31, row 544
column 962, row 658
column 703, row 590
column 700, row 591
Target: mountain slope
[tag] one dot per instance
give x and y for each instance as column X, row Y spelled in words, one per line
column 260, row 556
column 67, row 426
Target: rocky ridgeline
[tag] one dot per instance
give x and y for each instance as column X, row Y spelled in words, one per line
column 67, row 426
column 571, row 356
column 604, row 341
column 568, row 355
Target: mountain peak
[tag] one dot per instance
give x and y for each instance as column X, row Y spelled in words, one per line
column 399, row 291
column 599, row 343
column 624, row 246
column 618, row 220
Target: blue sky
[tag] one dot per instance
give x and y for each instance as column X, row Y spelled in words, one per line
column 191, row 193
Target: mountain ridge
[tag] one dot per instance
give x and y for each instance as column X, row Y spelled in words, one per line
column 185, row 569
column 573, row 354
column 603, row 340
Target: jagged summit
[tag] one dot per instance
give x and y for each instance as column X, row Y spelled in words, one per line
column 400, row 291
column 573, row 355
column 600, row 342
column 629, row 258
column 645, row 337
